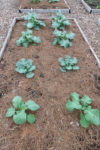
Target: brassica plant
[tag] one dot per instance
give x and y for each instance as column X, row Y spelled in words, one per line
column 25, row 67
column 63, row 39
column 33, row 21
column 53, row 1
column 35, row 1
column 19, row 111
column 87, row 114
column 27, row 38
column 68, row 63
column 60, row 21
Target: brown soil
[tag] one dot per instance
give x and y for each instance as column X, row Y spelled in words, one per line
column 25, row 4
column 94, row 4
column 49, row 88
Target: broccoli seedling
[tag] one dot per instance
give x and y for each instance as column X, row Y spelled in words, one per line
column 53, row 1
column 60, row 21
column 18, row 112
column 25, row 67
column 33, row 21
column 27, row 38
column 68, row 63
column 35, row 1
column 63, row 39
column 87, row 114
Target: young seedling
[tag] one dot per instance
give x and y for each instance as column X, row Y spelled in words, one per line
column 25, row 67
column 33, row 21
column 35, row 1
column 68, row 63
column 60, row 21
column 53, row 1
column 19, row 111
column 87, row 114
column 63, row 39
column 27, row 38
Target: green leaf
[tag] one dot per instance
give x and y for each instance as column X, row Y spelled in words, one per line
column 36, row 39
column 30, row 75
column 75, row 97
column 69, row 67
column 54, row 41
column 32, row 68
column 29, row 25
column 84, row 123
column 62, row 69
column 10, row 112
column 61, row 61
column 86, row 100
column 75, row 67
column 20, row 118
column 31, row 118
column 73, row 105
column 17, row 102
column 26, row 44
column 32, row 105
column 92, row 115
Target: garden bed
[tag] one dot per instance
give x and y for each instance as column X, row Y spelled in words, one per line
column 44, row 6
column 55, row 127
column 91, row 7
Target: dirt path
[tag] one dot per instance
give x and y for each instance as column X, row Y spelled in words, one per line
column 88, row 22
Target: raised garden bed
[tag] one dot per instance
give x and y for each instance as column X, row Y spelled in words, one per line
column 44, row 6
column 55, row 128
column 92, row 6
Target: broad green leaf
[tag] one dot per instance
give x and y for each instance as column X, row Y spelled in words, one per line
column 73, row 105
column 62, row 69
column 32, row 68
column 10, row 112
column 31, row 118
column 36, row 39
column 32, row 105
column 69, row 67
column 75, row 97
column 17, row 102
column 29, row 25
column 30, row 75
column 54, row 41
column 18, row 43
column 92, row 115
column 61, row 61
column 76, row 67
column 20, row 118
column 86, row 100
column 26, row 44
column 84, row 123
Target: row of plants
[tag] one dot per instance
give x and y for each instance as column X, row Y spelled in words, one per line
column 64, row 39
column 94, row 3
column 49, row 1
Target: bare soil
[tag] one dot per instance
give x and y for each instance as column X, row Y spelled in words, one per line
column 94, row 4
column 25, row 4
column 55, row 127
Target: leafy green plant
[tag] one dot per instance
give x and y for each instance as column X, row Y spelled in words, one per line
column 27, row 38
column 35, row 1
column 63, row 39
column 60, row 21
column 68, row 63
column 19, row 111
column 98, row 7
column 87, row 114
column 25, row 67
column 53, row 1
column 33, row 21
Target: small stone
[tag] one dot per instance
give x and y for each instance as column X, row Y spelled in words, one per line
column 71, row 122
